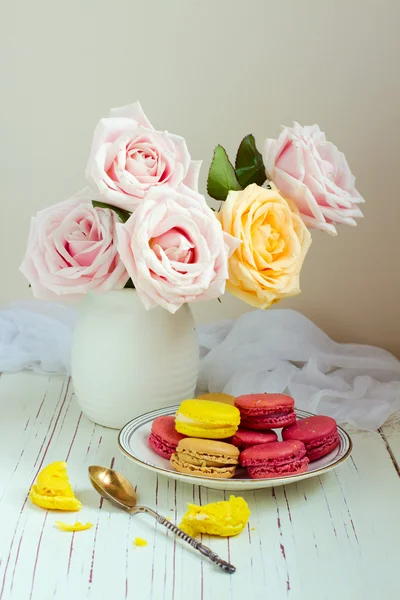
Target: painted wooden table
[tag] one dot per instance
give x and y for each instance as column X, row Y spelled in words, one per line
column 334, row 537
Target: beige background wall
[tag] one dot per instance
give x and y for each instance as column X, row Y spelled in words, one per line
column 213, row 71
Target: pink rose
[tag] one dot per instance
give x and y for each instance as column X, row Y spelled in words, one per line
column 128, row 157
column 312, row 172
column 174, row 249
column 72, row 250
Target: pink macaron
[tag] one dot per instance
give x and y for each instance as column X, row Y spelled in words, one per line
column 319, row 435
column 265, row 411
column 276, row 459
column 246, row 438
column 164, row 438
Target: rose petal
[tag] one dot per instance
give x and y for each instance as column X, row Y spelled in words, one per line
column 71, row 250
column 266, row 267
column 128, row 156
column 192, row 177
column 313, row 173
column 154, row 242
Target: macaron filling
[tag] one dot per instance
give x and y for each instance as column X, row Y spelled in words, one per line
column 266, row 470
column 295, row 456
column 197, row 458
column 266, row 421
column 161, row 446
column 265, row 412
column 204, row 470
column 180, row 418
column 319, row 444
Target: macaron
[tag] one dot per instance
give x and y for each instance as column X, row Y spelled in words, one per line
column 265, row 411
column 224, row 518
column 246, row 438
column 205, row 458
column 163, row 437
column 207, row 419
column 319, row 435
column 277, row 459
column 218, row 397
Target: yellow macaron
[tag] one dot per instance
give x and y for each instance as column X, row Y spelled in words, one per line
column 207, row 419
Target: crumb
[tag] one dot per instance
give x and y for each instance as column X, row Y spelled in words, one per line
column 168, row 518
column 76, row 527
column 253, row 528
column 139, row 542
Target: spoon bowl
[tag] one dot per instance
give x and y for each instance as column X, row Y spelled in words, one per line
column 113, row 486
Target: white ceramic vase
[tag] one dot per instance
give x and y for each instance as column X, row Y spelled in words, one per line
column 127, row 361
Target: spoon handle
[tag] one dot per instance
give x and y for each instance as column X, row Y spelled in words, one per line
column 204, row 550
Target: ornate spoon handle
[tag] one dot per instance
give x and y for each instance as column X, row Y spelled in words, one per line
column 204, row 550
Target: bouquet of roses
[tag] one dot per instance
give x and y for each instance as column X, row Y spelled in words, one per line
column 142, row 222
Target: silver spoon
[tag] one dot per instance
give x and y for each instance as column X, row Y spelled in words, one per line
column 113, row 486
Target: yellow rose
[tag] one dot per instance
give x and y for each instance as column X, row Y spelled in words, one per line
column 266, row 266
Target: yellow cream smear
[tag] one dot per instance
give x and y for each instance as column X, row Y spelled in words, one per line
column 53, row 490
column 140, row 542
column 73, row 527
column 226, row 518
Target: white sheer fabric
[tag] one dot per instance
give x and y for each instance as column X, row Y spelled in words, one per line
column 36, row 335
column 274, row 351
column 281, row 350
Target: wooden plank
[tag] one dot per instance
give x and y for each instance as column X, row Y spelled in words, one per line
column 324, row 538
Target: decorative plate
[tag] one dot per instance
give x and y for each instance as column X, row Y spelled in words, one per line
column 132, row 441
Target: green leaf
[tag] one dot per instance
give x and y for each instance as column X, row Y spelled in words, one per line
column 221, row 176
column 123, row 214
column 249, row 165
